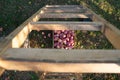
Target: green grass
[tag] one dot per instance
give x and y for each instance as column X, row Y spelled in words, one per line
column 91, row 40
column 108, row 9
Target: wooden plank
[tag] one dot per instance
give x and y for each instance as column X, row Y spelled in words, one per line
column 62, row 6
column 57, row 60
column 68, row 25
column 63, row 15
column 61, row 67
column 58, row 55
column 65, row 10
column 3, row 46
column 111, row 32
column 1, row 71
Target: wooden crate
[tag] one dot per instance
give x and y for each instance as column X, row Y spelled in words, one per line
column 12, row 57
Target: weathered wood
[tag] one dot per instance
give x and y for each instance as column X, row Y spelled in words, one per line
column 62, row 6
column 58, row 55
column 1, row 71
column 64, row 15
column 61, row 67
column 57, row 60
column 68, row 25
column 3, row 46
column 110, row 31
column 65, row 10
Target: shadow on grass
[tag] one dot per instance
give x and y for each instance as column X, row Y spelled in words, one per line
column 112, row 18
column 15, row 12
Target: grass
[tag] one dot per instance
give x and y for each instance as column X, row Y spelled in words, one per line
column 15, row 12
column 108, row 9
column 91, row 40
column 41, row 39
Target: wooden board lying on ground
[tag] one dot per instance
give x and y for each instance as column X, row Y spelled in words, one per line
column 65, row 10
column 68, row 25
column 57, row 60
column 64, row 15
column 84, row 61
column 63, row 6
column 110, row 31
column 1, row 71
column 62, row 55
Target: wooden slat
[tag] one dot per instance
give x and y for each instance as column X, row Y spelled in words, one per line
column 62, row 6
column 1, row 71
column 58, row 55
column 61, row 67
column 3, row 46
column 65, row 10
column 64, row 15
column 57, row 60
column 68, row 25
column 110, row 31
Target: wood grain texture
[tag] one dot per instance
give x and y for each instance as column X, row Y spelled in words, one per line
column 57, row 60
column 63, row 10
column 61, row 55
column 111, row 32
column 3, row 46
column 68, row 25
column 60, row 67
column 1, row 71
column 63, row 6
column 64, row 15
